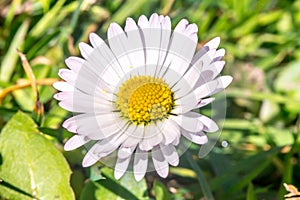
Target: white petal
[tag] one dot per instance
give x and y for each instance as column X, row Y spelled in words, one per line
column 63, row 86
column 219, row 54
column 214, row 43
column 204, row 102
column 95, row 40
column 143, row 22
column 170, row 131
column 181, row 26
column 191, row 29
column 114, row 29
column 140, row 164
column 68, row 75
column 170, row 154
column 166, row 23
column 223, row 82
column 74, row 63
column 85, row 49
column 198, row 138
column 135, row 135
column 191, row 100
column 125, row 152
column 102, row 148
column 154, row 21
column 191, row 124
column 160, row 163
column 130, row 25
column 209, row 124
column 95, row 126
column 75, row 142
column 187, row 82
column 152, row 137
column 121, row 167
column 209, row 72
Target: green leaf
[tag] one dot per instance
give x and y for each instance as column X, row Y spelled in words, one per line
column 250, row 192
column 31, row 163
column 201, row 178
column 161, row 192
column 11, row 57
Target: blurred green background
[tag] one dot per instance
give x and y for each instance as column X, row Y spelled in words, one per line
column 258, row 150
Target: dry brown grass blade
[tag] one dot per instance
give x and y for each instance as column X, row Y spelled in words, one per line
column 293, row 194
column 29, row 73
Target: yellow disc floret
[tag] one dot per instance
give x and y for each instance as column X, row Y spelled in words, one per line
column 143, row 99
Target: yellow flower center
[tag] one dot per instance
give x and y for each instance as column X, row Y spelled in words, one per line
column 143, row 99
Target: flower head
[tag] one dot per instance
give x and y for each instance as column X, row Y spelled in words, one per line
column 134, row 95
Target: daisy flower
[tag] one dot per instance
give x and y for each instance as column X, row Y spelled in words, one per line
column 133, row 96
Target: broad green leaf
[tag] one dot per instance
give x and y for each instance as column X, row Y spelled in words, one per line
column 31, row 163
column 161, row 192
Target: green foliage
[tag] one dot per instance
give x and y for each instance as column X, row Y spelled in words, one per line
column 261, row 131
column 31, row 163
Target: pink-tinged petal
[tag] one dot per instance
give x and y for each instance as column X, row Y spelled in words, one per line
column 75, row 142
column 170, row 154
column 95, row 40
column 130, row 25
column 114, row 29
column 140, row 164
column 68, row 75
column 198, row 138
column 160, row 163
column 74, row 63
column 166, row 23
column 154, row 21
column 63, row 86
column 181, row 26
column 85, row 49
column 143, row 22
column 121, row 167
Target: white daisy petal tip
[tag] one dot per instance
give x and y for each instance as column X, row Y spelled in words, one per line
column 114, row 29
column 89, row 160
column 85, row 49
column 95, row 40
column 226, row 80
column 214, row 43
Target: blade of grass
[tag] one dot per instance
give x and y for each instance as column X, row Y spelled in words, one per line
column 128, row 8
column 47, row 20
column 11, row 13
column 10, row 59
column 201, row 178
